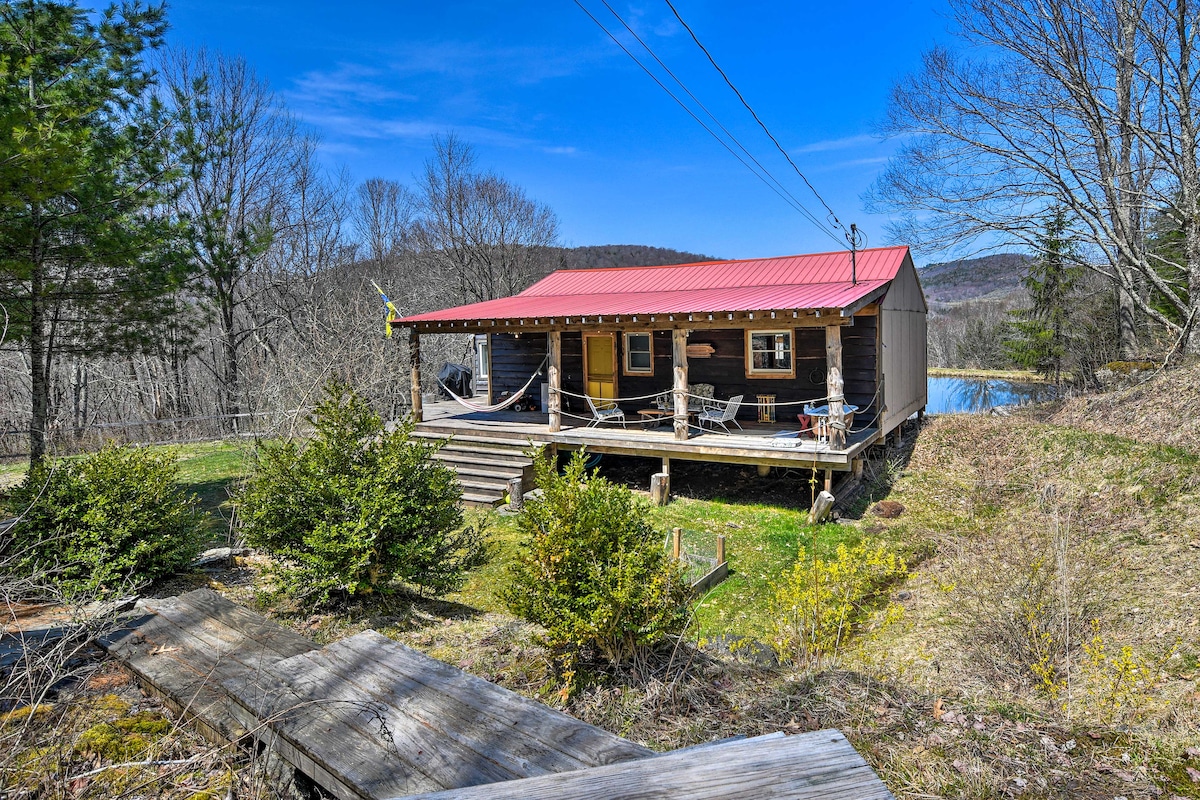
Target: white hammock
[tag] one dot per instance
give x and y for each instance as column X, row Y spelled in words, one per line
column 465, row 403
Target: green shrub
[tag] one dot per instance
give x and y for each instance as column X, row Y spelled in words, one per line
column 820, row 602
column 357, row 508
column 591, row 570
column 104, row 521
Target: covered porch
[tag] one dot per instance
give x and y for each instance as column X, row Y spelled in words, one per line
column 760, row 444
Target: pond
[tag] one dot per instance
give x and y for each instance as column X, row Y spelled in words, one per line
column 974, row 395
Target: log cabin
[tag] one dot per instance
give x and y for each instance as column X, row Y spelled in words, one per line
column 827, row 352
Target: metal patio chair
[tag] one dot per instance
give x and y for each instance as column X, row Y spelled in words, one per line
column 722, row 416
column 613, row 414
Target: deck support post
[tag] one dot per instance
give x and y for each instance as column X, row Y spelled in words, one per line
column 516, row 494
column 414, row 358
column 554, row 375
column 833, row 379
column 679, row 357
column 666, row 466
column 829, row 480
column 856, row 467
column 660, row 488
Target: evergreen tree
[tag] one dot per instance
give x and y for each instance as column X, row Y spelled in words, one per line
column 86, row 262
column 1040, row 336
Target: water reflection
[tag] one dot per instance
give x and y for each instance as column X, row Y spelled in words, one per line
column 973, row 395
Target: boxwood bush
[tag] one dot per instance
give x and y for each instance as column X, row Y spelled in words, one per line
column 591, row 570
column 357, row 509
column 104, row 523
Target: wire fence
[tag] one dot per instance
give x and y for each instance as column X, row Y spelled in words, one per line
column 700, row 551
column 68, row 440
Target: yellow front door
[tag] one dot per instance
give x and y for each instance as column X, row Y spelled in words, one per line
column 600, row 366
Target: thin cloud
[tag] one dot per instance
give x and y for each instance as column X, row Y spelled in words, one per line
column 836, row 144
column 349, row 83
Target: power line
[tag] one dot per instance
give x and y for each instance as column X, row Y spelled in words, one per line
column 796, row 203
column 761, row 124
column 803, row 211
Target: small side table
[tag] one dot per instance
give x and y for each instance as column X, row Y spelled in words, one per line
column 766, row 408
column 653, row 417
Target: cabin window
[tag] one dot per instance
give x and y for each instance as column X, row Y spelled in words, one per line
column 769, row 354
column 639, row 354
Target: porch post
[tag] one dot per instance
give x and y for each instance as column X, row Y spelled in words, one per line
column 414, row 357
column 833, row 380
column 679, row 340
column 554, row 376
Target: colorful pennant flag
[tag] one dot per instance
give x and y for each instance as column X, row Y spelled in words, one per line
column 392, row 313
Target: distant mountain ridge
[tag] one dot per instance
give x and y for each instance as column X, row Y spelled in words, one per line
column 626, row 255
column 993, row 277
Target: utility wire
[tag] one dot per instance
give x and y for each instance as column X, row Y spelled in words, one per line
column 761, row 124
column 701, row 122
column 795, row 202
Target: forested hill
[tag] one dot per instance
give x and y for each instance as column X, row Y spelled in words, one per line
column 991, row 277
column 626, row 255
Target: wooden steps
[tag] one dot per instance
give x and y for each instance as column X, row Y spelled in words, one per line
column 484, row 463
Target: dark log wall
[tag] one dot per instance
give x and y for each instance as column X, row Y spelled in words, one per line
column 514, row 359
column 860, row 356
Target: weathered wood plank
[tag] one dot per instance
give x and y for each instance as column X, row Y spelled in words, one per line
column 184, row 646
column 339, row 739
column 457, row 701
column 807, row 766
column 416, row 722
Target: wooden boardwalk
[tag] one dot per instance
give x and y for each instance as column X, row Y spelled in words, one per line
column 370, row 719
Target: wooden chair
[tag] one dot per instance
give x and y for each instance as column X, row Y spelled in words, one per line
column 613, row 414
column 722, row 416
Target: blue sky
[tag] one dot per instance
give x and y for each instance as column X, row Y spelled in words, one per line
column 551, row 103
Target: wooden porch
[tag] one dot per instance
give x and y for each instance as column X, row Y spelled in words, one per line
column 759, row 444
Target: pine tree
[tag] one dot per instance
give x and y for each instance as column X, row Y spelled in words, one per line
column 1040, row 336
column 86, row 260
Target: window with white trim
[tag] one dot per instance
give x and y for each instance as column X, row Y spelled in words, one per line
column 639, row 354
column 769, row 354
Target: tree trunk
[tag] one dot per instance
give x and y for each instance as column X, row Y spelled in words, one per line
column 39, row 365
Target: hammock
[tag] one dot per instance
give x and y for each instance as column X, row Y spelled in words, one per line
column 465, row 403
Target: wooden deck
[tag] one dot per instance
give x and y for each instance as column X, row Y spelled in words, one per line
column 758, row 444
column 367, row 718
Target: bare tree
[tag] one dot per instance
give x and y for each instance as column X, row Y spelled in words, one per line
column 383, row 219
column 1082, row 103
column 478, row 235
column 238, row 145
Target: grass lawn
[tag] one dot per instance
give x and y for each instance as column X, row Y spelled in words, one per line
column 209, row 470
column 760, row 544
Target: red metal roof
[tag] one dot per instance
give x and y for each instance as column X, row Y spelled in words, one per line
column 819, row 281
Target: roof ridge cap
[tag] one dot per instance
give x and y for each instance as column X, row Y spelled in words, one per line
column 727, row 260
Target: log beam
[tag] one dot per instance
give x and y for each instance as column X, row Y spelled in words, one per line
column 835, row 382
column 414, row 358
column 554, row 375
column 679, row 357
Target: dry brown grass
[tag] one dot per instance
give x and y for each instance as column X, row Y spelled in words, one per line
column 941, row 703
column 1163, row 407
